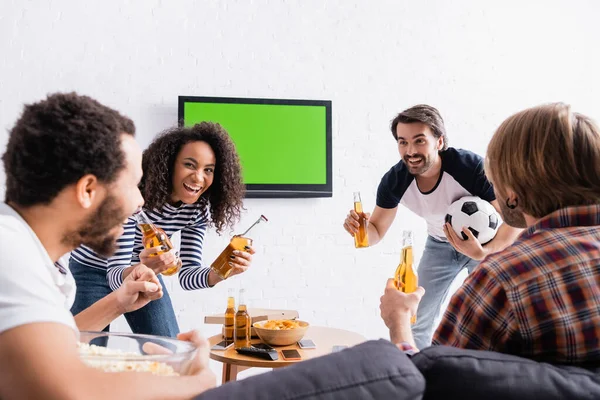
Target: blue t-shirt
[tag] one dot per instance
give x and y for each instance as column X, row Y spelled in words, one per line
column 461, row 175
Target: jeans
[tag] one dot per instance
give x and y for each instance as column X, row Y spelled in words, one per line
column 439, row 265
column 155, row 318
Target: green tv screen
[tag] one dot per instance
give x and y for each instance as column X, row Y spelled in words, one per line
column 284, row 145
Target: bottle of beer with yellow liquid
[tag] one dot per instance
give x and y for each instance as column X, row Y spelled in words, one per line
column 242, row 323
column 361, row 238
column 154, row 236
column 406, row 277
column 229, row 316
column 221, row 266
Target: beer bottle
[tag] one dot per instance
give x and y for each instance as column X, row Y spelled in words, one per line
column 221, row 266
column 361, row 238
column 229, row 316
column 242, row 323
column 154, row 236
column 406, row 277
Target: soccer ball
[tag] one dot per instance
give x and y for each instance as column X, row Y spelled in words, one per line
column 479, row 216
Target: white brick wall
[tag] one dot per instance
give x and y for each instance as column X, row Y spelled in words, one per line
column 476, row 61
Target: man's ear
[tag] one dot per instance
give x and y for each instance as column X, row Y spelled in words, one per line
column 87, row 190
column 509, row 194
column 440, row 143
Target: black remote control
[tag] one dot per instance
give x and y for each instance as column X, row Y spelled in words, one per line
column 266, row 354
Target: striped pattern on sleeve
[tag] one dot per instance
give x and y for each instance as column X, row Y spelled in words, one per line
column 190, row 219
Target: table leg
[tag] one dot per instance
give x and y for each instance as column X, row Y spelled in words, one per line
column 229, row 373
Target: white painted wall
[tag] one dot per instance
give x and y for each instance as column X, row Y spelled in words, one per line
column 476, row 61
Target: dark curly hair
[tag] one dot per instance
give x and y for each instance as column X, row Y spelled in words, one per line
column 424, row 114
column 224, row 197
column 57, row 141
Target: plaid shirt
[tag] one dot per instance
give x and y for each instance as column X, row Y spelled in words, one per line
column 539, row 298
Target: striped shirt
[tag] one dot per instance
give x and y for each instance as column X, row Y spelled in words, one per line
column 539, row 298
column 190, row 219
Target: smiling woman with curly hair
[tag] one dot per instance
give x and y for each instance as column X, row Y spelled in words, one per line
column 224, row 196
column 192, row 180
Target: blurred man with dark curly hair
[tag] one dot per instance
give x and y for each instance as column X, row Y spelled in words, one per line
column 192, row 180
column 72, row 172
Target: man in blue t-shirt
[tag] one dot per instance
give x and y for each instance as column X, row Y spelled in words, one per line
column 429, row 177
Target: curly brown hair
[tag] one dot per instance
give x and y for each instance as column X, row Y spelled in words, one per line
column 58, row 140
column 224, row 197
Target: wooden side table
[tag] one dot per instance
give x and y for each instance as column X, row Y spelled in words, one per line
column 324, row 338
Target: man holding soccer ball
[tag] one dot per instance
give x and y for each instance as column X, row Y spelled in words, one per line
column 428, row 179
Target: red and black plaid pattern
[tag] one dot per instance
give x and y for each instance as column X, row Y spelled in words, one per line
column 539, row 298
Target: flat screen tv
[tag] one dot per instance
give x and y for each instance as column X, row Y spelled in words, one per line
column 284, row 145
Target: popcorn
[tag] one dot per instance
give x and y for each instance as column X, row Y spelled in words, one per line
column 116, row 361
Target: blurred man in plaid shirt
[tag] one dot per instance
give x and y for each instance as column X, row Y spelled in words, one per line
column 540, row 297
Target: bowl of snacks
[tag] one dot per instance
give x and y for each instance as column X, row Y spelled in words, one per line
column 280, row 332
column 118, row 352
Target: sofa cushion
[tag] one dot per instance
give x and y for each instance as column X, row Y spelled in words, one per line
column 470, row 374
column 371, row 370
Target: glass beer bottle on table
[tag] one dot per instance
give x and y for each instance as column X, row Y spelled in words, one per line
column 229, row 316
column 361, row 238
column 406, row 277
column 222, row 265
column 242, row 323
column 154, row 236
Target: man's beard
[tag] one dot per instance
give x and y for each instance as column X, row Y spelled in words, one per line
column 94, row 232
column 425, row 164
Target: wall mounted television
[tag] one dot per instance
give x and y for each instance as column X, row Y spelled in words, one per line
column 284, row 145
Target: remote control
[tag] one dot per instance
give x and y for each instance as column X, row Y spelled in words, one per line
column 270, row 355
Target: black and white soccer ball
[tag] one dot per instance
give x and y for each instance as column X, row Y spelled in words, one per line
column 478, row 215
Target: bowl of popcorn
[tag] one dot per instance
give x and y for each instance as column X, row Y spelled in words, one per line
column 280, row 332
column 119, row 352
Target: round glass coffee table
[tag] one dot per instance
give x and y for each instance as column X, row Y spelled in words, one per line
column 324, row 338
